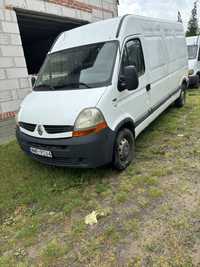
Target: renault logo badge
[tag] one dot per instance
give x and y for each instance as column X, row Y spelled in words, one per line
column 40, row 130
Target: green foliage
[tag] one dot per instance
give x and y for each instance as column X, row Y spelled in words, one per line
column 193, row 27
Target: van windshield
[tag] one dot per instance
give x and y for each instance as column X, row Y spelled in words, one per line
column 192, row 51
column 82, row 67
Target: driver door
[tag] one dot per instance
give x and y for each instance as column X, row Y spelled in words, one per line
column 137, row 102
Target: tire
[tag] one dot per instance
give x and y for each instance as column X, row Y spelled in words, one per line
column 197, row 83
column 124, row 149
column 180, row 102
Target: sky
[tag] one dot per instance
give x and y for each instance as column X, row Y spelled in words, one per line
column 166, row 9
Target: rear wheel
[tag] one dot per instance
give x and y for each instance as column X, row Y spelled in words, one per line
column 180, row 102
column 124, row 149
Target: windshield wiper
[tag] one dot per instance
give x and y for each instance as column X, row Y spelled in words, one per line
column 72, row 84
column 44, row 85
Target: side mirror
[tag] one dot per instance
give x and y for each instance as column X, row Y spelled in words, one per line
column 129, row 80
column 33, row 80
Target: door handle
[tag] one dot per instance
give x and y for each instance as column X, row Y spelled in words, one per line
column 148, row 87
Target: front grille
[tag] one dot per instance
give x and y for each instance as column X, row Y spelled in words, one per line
column 56, row 129
column 50, row 129
column 27, row 126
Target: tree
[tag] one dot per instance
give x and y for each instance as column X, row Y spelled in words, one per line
column 193, row 28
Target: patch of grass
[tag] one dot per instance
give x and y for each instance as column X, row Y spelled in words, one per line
column 92, row 204
column 13, row 261
column 111, row 234
column 31, row 184
column 165, row 209
column 121, row 197
column 142, row 181
column 27, row 228
column 126, row 185
column 154, row 193
column 78, row 228
column 132, row 227
column 143, row 202
column 53, row 251
column 101, row 188
column 159, row 172
column 72, row 204
column 180, row 223
column 155, row 247
column 27, row 231
column 7, row 261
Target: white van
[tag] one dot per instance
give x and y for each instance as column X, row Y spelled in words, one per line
column 100, row 86
column 194, row 60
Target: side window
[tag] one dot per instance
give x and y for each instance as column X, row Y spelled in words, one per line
column 125, row 61
column 133, row 55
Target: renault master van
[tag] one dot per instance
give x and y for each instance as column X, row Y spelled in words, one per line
column 100, row 86
column 194, row 60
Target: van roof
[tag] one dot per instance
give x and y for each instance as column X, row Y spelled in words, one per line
column 106, row 30
column 100, row 31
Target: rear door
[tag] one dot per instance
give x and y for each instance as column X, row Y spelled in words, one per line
column 136, row 103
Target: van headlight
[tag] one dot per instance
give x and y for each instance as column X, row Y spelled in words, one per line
column 89, row 121
column 191, row 72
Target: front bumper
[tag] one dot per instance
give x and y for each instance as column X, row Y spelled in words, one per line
column 85, row 152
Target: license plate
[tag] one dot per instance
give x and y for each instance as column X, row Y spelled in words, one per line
column 41, row 152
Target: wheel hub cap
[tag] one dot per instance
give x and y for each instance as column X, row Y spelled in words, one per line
column 124, row 149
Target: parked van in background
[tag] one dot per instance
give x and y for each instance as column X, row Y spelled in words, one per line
column 194, row 60
column 100, row 86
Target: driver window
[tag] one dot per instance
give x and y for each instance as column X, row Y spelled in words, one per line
column 124, row 62
column 133, row 55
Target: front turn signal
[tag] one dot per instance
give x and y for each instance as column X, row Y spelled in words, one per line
column 98, row 128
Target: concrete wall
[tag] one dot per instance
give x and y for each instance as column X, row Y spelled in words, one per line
column 14, row 80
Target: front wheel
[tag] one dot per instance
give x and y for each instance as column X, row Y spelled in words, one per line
column 124, row 149
column 180, row 102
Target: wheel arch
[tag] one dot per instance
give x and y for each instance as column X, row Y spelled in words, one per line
column 126, row 123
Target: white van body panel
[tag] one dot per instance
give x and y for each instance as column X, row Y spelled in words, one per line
column 154, row 115
column 194, row 64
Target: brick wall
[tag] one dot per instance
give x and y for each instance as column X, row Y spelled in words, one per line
column 108, row 7
column 14, row 80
